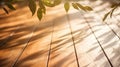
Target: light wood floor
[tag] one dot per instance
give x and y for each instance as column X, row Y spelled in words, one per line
column 60, row 39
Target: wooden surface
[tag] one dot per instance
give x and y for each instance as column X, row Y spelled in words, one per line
column 60, row 39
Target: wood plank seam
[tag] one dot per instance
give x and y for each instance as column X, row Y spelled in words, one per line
column 111, row 28
column 50, row 44
column 98, row 41
column 25, row 46
column 73, row 40
column 107, row 24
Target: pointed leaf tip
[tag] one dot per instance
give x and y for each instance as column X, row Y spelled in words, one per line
column 67, row 6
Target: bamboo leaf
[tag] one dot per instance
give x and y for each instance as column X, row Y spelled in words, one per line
column 41, row 5
column 32, row 6
column 105, row 16
column 75, row 6
column 39, row 14
column 67, row 6
column 88, row 8
column 44, row 10
column 57, row 2
column 112, row 11
column 80, row 6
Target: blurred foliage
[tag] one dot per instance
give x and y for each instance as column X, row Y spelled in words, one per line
column 5, row 4
column 41, row 10
column 110, row 13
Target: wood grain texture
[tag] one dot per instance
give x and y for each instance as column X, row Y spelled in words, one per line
column 27, row 42
column 62, row 51
column 106, row 34
column 12, row 48
column 37, row 51
column 88, row 49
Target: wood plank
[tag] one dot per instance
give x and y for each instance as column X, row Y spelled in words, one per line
column 11, row 22
column 106, row 36
column 88, row 49
column 11, row 50
column 62, row 51
column 37, row 51
column 113, row 24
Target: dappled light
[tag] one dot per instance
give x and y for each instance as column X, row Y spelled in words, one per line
column 60, row 39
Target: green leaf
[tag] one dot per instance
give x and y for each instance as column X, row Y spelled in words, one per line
column 41, row 5
column 48, row 3
column 44, row 10
column 10, row 6
column 32, row 6
column 39, row 14
column 112, row 11
column 75, row 6
column 105, row 16
column 81, row 7
column 57, row 2
column 88, row 8
column 67, row 6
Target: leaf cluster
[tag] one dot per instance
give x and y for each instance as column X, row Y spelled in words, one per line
column 41, row 9
column 51, row 3
column 110, row 13
column 76, row 6
column 7, row 4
